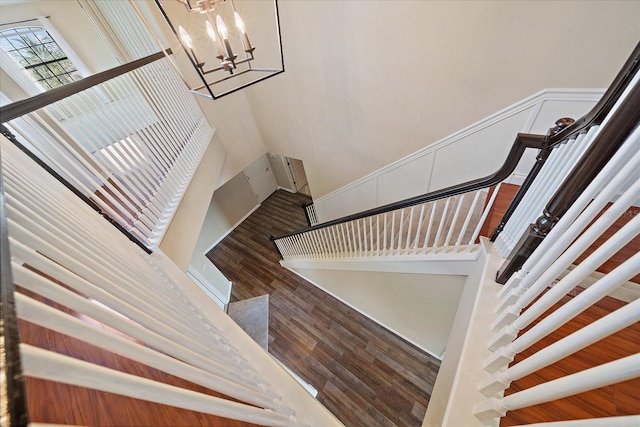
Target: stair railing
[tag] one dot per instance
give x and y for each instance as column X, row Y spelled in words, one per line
column 310, row 213
column 442, row 226
column 564, row 131
column 70, row 270
column 526, row 308
column 570, row 169
column 424, row 225
column 441, row 222
column 126, row 140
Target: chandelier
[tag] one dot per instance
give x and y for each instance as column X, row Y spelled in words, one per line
column 215, row 40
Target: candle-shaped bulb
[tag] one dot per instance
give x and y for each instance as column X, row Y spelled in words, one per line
column 184, row 36
column 239, row 23
column 188, row 43
column 211, row 31
column 245, row 38
column 222, row 29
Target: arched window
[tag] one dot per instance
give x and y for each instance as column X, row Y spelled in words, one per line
column 34, row 49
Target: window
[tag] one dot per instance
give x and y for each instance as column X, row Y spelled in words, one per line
column 34, row 49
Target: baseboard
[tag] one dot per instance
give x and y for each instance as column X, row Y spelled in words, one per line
column 211, row 291
column 288, row 190
column 308, row 387
column 226, row 233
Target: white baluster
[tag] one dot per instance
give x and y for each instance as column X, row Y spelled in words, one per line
column 467, row 220
column 443, row 219
column 603, row 375
column 409, row 230
column 420, row 221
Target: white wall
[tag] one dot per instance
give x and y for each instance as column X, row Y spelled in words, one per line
column 237, row 130
column 418, row 307
column 230, row 204
column 369, row 82
column 231, row 115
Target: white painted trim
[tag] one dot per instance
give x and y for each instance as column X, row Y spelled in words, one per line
column 461, row 263
column 437, row 356
column 20, row 76
column 533, row 116
column 71, row 54
column 286, row 189
column 233, row 227
column 211, row 291
column 516, row 178
column 310, row 389
column 456, row 391
column 534, row 101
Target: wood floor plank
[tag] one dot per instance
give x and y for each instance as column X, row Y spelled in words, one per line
column 364, row 374
column 615, row 400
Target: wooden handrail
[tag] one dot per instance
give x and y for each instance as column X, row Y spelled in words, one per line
column 29, row 105
column 594, row 117
column 521, row 143
column 603, row 107
column 543, row 142
column 604, row 146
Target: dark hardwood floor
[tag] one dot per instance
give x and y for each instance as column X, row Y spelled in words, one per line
column 365, row 375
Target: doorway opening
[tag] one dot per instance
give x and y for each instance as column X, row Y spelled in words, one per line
column 289, row 174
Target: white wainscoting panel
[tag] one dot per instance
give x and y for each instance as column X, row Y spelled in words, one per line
column 361, row 197
column 330, row 207
column 405, row 180
column 470, row 153
column 553, row 109
column 476, row 155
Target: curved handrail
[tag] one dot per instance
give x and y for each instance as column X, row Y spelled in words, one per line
column 602, row 108
column 593, row 117
column 522, row 142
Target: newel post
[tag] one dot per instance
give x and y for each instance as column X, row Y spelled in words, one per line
column 604, row 146
column 541, row 158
